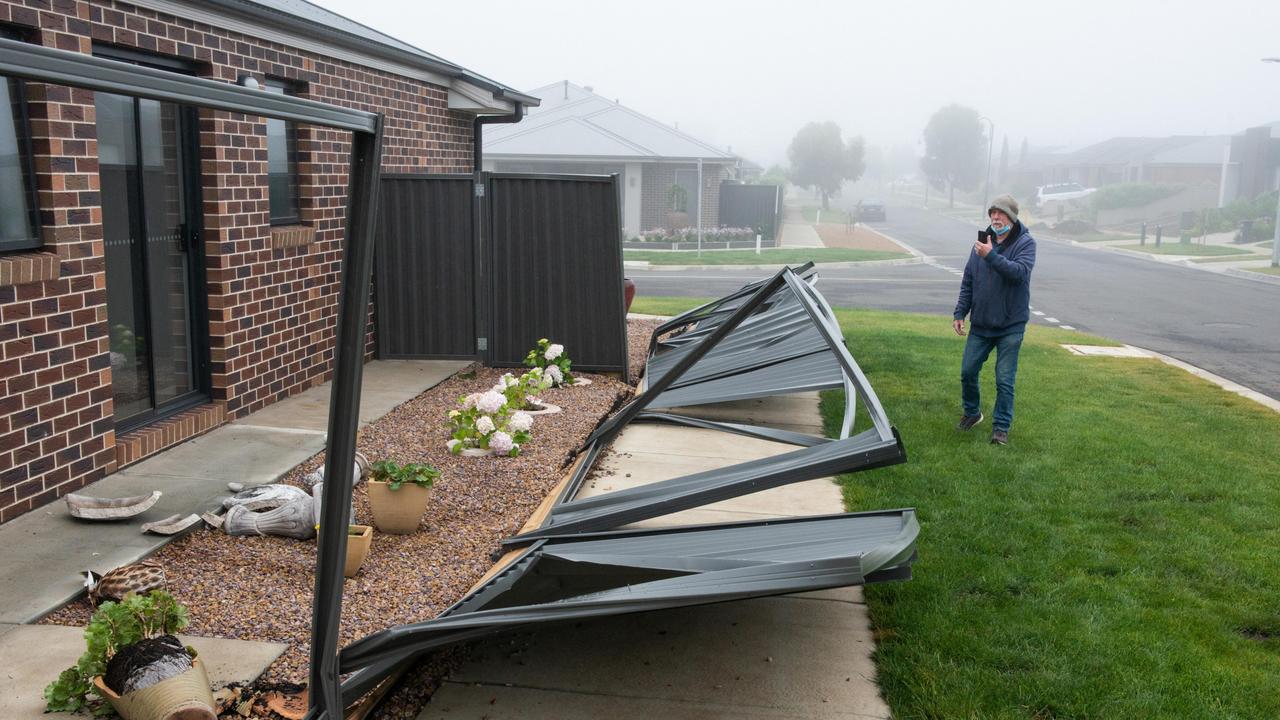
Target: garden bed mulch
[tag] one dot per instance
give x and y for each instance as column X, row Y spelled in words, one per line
column 260, row 588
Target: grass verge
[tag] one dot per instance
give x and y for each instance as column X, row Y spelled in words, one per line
column 834, row 215
column 766, row 257
column 1177, row 248
column 1116, row 560
column 1265, row 270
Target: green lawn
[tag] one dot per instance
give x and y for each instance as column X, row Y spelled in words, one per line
column 1265, row 244
column 1117, row 560
column 766, row 257
column 1177, row 248
column 834, row 215
column 1266, row 270
column 1094, row 237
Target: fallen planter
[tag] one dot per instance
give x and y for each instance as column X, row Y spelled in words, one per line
column 182, row 697
column 92, row 508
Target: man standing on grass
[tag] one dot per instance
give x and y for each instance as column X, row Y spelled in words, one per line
column 996, row 295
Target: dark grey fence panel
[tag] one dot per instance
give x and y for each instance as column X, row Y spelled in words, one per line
column 425, row 289
column 753, row 206
column 555, row 262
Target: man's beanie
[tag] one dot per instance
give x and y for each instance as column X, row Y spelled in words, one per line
column 1007, row 205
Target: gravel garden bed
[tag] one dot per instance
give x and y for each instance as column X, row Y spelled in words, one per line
column 260, row 588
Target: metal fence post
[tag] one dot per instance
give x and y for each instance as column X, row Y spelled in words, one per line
column 1159, row 232
column 1143, row 240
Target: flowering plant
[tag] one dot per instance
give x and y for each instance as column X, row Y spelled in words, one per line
column 487, row 420
column 521, row 392
column 552, row 360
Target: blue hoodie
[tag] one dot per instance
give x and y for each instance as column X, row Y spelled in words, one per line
column 996, row 290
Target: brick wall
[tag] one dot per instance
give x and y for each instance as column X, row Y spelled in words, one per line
column 272, row 299
column 657, row 181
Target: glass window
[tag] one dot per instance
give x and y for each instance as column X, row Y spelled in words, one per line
column 19, row 229
column 282, row 163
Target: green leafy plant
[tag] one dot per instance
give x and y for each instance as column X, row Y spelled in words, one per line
column 114, row 626
column 488, row 421
column 678, row 199
column 396, row 475
column 548, row 355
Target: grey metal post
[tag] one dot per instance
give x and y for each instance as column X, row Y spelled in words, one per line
column 1143, row 240
column 699, row 207
column 1159, row 232
column 344, row 411
column 1275, row 241
column 986, row 186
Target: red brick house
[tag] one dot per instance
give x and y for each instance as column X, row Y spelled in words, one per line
column 165, row 269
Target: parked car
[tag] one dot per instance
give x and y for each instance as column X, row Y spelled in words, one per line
column 1061, row 191
column 870, row 210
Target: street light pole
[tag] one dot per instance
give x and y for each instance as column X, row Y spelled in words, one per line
column 991, row 141
column 1275, row 240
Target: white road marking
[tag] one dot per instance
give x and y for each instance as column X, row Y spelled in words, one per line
column 1066, row 327
column 1037, row 312
column 1051, row 320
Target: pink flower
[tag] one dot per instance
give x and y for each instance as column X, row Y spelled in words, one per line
column 501, row 443
column 554, row 351
column 469, row 401
column 491, row 402
column 521, row 422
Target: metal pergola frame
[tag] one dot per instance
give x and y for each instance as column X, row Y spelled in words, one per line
column 60, row 67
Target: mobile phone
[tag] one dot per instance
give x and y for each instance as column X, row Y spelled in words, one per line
column 982, row 235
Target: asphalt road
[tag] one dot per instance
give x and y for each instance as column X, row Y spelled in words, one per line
column 1224, row 324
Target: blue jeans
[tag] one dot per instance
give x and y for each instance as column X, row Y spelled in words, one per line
column 976, row 350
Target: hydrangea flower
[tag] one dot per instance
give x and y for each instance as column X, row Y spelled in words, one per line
column 553, row 372
column 521, row 422
column 454, row 413
column 491, row 402
column 508, row 380
column 554, row 351
column 485, row 425
column 470, row 401
column 501, row 443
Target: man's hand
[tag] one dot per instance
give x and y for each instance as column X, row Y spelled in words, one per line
column 958, row 326
column 982, row 247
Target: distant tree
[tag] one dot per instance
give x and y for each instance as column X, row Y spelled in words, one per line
column 820, row 158
column 775, row 175
column 954, row 146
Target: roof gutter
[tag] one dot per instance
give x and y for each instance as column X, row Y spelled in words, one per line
column 259, row 13
column 477, row 149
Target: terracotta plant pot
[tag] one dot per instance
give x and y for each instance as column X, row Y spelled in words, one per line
column 357, row 549
column 398, row 512
column 183, row 697
column 628, row 294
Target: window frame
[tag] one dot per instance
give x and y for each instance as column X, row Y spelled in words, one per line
column 284, row 86
column 26, row 160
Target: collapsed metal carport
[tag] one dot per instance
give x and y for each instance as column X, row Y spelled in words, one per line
column 567, row 567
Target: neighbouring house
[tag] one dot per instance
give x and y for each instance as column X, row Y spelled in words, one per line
column 574, row 130
column 165, row 269
column 1220, row 167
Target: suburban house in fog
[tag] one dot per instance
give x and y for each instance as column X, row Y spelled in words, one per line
column 574, row 130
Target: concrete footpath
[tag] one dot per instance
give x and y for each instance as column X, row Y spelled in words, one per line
column 796, row 656
column 46, row 550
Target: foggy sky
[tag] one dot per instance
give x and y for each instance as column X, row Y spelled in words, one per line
column 749, row 74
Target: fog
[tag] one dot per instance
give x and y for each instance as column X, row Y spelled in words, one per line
column 749, row 74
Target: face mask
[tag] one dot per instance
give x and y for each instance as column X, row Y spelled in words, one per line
column 1003, row 230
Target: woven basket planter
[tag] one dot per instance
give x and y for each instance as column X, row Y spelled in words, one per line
column 397, row 512
column 182, row 697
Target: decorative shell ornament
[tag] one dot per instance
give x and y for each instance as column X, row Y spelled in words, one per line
column 140, row 577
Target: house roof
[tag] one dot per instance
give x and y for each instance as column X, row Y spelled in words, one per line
column 1123, row 151
column 1204, row 151
column 334, row 29
column 573, row 121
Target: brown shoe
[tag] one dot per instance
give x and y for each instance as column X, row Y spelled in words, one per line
column 999, row 437
column 968, row 421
